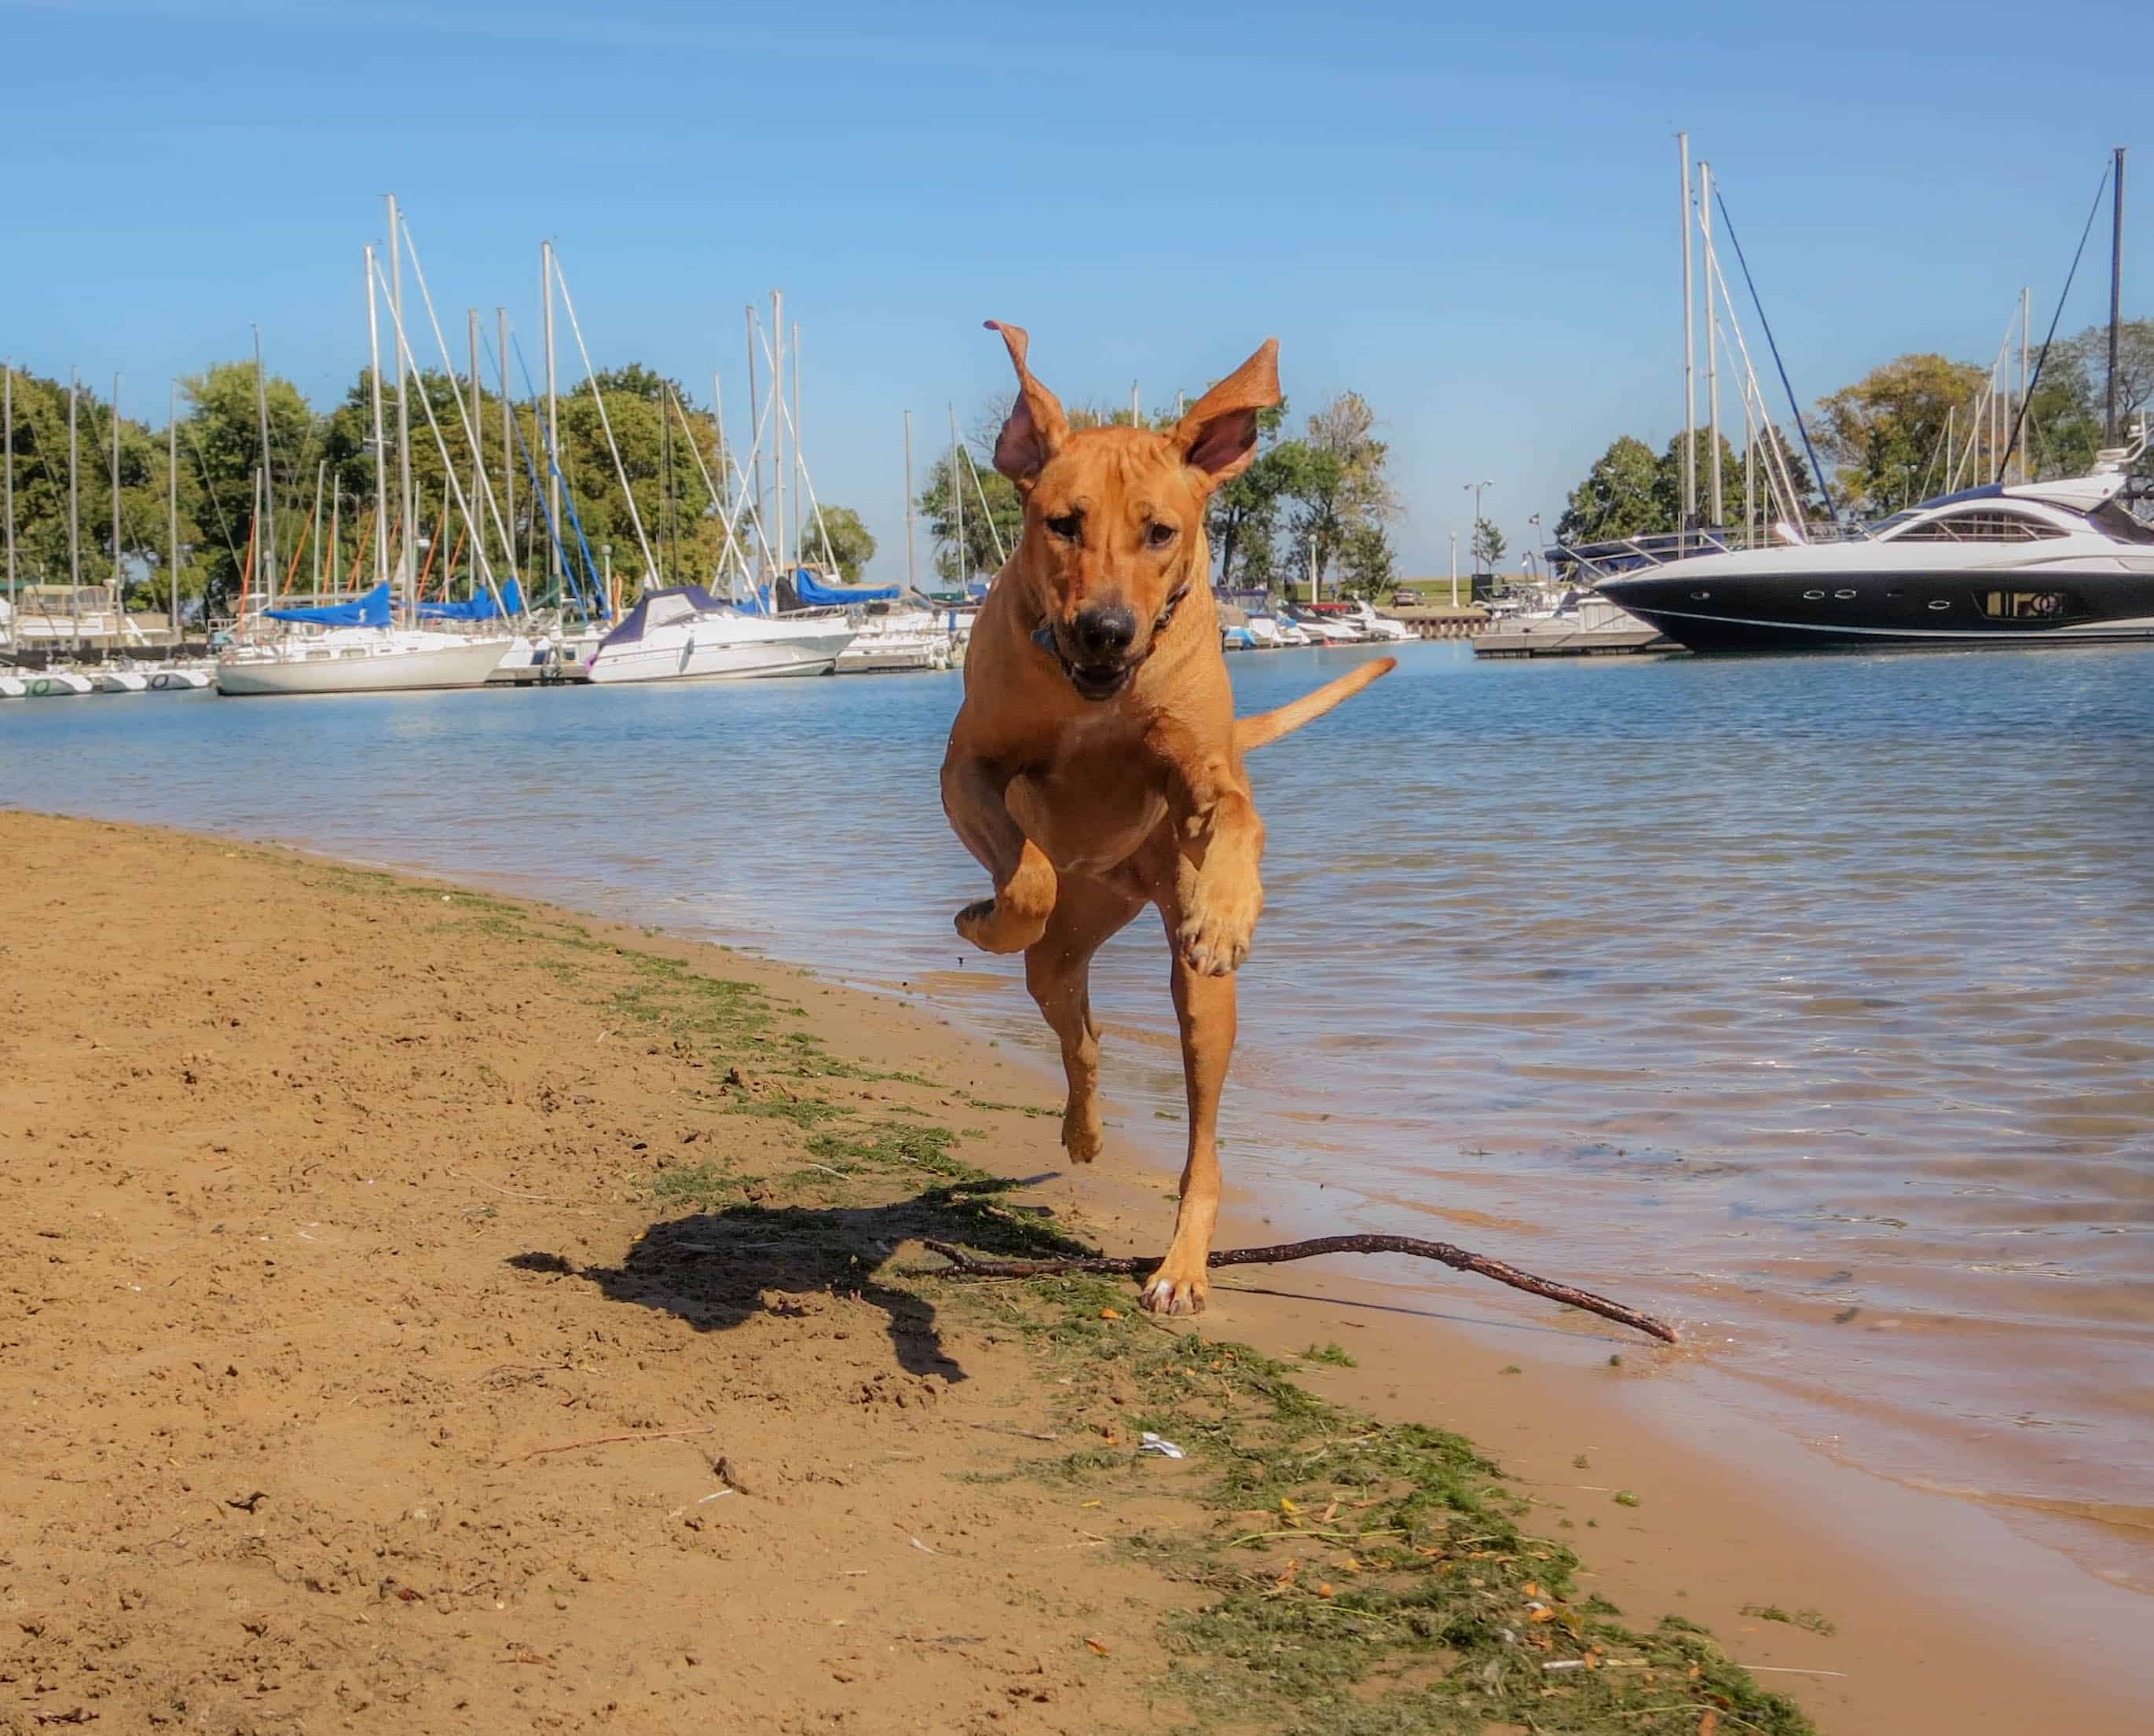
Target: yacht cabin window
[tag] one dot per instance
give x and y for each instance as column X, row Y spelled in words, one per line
column 1979, row 527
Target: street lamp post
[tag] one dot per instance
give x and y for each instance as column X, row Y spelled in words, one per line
column 1474, row 489
column 1454, row 568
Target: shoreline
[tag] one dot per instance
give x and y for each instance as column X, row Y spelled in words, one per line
column 1704, row 1541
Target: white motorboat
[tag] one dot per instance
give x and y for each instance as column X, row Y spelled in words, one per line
column 121, row 681
column 683, row 633
column 186, row 679
column 360, row 660
column 1377, row 627
column 911, row 639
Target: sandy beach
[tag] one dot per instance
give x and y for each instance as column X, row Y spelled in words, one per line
column 429, row 1311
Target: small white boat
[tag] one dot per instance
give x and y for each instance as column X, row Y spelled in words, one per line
column 683, row 633
column 56, row 684
column 13, row 687
column 122, row 681
column 911, row 639
column 179, row 681
column 360, row 660
column 1378, row 627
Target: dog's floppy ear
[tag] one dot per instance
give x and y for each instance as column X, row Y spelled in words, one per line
column 1036, row 427
column 1218, row 434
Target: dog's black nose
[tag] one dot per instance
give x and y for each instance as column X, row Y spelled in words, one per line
column 1102, row 633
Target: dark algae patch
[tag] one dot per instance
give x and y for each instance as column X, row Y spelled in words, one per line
column 1327, row 1574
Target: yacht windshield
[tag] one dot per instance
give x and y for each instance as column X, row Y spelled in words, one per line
column 2113, row 519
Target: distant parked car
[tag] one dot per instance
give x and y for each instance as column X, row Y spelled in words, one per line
column 1406, row 600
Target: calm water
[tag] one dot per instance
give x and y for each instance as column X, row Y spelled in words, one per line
column 1811, row 1001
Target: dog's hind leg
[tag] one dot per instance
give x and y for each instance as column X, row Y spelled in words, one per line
column 1058, row 970
column 1204, row 1007
column 1016, row 916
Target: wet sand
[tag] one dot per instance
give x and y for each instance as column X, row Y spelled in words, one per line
column 305, row 1172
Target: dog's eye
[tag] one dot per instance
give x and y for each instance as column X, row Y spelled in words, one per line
column 1067, row 526
column 1159, row 536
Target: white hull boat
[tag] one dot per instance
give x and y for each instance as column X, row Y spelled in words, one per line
column 360, row 659
column 685, row 634
column 179, row 681
column 56, row 684
column 122, row 681
column 891, row 643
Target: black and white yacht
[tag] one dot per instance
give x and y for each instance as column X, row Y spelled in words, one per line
column 2055, row 562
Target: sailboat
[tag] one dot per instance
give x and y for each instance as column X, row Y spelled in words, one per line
column 356, row 646
column 794, row 622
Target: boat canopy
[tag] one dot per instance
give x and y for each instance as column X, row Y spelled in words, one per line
column 657, row 608
column 369, row 611
column 481, row 607
column 813, row 594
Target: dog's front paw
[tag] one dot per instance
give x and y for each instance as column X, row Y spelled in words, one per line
column 1218, row 922
column 993, row 929
column 1176, row 1288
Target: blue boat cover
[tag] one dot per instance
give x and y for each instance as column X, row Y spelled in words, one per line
column 813, row 594
column 369, row 611
column 478, row 608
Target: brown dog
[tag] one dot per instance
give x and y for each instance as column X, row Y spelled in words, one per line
column 1096, row 765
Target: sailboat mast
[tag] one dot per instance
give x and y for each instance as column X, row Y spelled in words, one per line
column 315, row 522
column 800, row 466
column 8, row 440
column 478, row 457
column 172, row 509
column 2116, row 293
column 2026, row 322
column 407, row 575
column 777, row 430
column 559, row 558
column 508, row 438
column 380, row 453
column 911, row 571
column 1711, row 344
column 1690, row 357
column 958, row 493
column 267, row 543
column 118, row 609
column 749, row 311
column 74, row 499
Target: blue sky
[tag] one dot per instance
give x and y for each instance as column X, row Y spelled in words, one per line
column 1473, row 221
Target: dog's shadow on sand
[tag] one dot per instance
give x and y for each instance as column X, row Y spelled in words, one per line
column 719, row 1268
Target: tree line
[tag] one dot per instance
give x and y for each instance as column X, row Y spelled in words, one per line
column 1906, row 431
column 320, row 517
column 1316, row 503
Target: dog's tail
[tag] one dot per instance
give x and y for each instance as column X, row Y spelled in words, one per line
column 1266, row 726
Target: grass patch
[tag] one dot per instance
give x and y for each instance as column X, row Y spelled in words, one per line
column 1330, row 1353
column 1808, row 1620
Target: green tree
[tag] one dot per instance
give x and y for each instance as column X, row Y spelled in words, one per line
column 991, row 537
column 1243, row 516
column 1489, row 546
column 1889, row 429
column 836, row 536
column 1618, row 498
column 1367, row 562
column 1668, row 482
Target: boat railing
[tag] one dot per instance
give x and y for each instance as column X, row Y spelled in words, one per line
column 1617, row 557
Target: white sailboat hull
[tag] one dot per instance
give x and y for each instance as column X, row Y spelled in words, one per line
column 390, row 664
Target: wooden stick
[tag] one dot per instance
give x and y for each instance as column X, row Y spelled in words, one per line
column 645, row 1434
column 1458, row 1259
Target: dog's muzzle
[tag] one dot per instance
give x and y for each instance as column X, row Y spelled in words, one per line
column 1102, row 666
